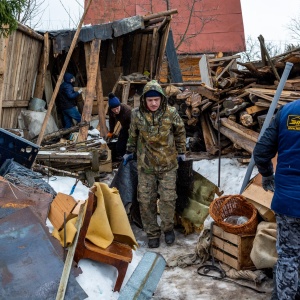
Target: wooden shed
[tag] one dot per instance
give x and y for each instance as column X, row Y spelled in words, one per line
column 31, row 62
column 19, row 62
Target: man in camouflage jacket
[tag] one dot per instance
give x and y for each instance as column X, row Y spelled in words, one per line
column 157, row 137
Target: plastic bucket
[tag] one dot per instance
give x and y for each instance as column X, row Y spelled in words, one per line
column 37, row 104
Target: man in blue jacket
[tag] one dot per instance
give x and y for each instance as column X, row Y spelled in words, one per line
column 67, row 101
column 283, row 136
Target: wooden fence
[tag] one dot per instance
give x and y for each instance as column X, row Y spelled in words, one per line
column 19, row 61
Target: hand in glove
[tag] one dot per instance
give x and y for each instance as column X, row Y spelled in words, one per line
column 80, row 91
column 109, row 135
column 127, row 157
column 268, row 183
column 181, row 157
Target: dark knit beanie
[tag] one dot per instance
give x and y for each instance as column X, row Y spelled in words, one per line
column 113, row 101
column 153, row 93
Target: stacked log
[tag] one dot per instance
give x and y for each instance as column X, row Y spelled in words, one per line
column 232, row 100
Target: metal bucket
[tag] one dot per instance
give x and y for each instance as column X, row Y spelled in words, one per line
column 37, row 104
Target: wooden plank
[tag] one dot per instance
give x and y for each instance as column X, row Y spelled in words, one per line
column 69, row 261
column 40, row 80
column 219, row 232
column 224, row 257
column 238, row 139
column 255, row 109
column 111, row 54
column 225, row 246
column 15, row 103
column 135, row 53
column 148, row 53
column 155, row 37
column 119, row 51
column 225, row 69
column 3, row 62
column 209, row 144
column 163, row 44
column 205, row 71
column 60, row 78
column 125, row 92
column 100, row 101
column 17, row 65
column 247, row 133
column 142, row 56
column 90, row 88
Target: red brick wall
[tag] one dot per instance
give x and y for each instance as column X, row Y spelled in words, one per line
column 225, row 33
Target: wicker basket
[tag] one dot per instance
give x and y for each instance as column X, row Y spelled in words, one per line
column 234, row 205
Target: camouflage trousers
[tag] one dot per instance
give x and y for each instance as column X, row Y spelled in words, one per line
column 149, row 186
column 288, row 249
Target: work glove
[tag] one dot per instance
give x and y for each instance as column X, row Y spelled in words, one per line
column 268, row 183
column 127, row 157
column 181, row 157
column 109, row 135
column 80, row 91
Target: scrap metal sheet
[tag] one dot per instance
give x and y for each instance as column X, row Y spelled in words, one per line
column 13, row 198
column 30, row 267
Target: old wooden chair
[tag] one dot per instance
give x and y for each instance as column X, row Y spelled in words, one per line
column 117, row 254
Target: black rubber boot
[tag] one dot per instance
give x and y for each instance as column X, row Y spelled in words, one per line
column 153, row 243
column 274, row 292
column 170, row 237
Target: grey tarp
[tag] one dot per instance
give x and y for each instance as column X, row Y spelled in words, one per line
column 62, row 39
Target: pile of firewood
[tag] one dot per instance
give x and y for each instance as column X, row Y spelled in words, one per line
column 233, row 100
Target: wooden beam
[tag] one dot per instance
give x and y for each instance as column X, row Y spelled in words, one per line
column 254, row 109
column 30, row 32
column 68, row 263
column 208, row 139
column 247, row 133
column 153, row 51
column 3, row 61
column 100, row 101
column 40, row 80
column 262, row 43
column 15, row 103
column 162, row 49
column 90, row 88
column 160, row 14
column 62, row 73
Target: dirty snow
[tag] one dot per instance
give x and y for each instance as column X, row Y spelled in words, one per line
column 98, row 279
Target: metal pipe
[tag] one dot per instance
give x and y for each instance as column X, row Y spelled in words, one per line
column 267, row 121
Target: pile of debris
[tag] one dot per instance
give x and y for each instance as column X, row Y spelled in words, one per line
column 233, row 101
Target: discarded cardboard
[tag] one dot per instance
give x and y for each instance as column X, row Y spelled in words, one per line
column 260, row 198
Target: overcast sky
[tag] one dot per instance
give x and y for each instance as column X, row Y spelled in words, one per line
column 266, row 17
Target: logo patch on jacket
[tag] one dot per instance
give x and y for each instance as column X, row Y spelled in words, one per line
column 293, row 122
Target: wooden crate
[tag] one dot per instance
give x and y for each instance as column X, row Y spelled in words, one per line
column 231, row 249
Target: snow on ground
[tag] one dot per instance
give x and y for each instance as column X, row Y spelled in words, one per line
column 98, row 279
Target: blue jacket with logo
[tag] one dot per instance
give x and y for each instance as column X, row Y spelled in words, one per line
column 282, row 136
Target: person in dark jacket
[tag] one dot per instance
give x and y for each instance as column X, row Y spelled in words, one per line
column 67, row 101
column 119, row 112
column 282, row 137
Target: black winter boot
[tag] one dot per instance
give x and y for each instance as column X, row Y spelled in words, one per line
column 170, row 237
column 153, row 243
